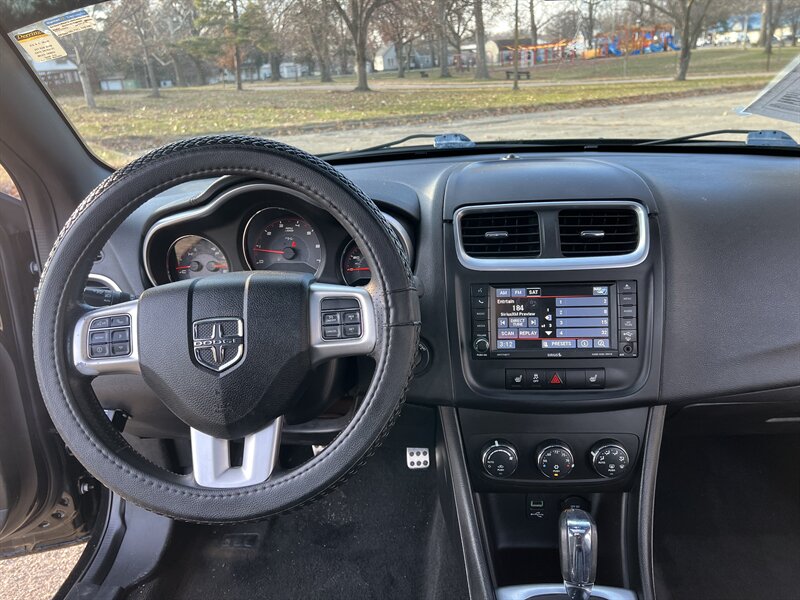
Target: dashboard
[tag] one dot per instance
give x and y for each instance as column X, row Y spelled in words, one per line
column 713, row 243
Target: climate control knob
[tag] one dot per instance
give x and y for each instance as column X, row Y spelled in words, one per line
column 554, row 459
column 610, row 459
column 481, row 345
column 499, row 459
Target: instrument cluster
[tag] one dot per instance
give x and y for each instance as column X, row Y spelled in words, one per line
column 256, row 227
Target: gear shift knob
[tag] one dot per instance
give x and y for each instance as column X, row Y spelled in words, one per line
column 578, row 549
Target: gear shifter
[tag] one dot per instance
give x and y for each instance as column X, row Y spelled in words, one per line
column 577, row 545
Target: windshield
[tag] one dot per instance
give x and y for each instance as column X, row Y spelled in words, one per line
column 337, row 75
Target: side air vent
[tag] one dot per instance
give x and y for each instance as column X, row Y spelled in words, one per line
column 598, row 231
column 501, row 235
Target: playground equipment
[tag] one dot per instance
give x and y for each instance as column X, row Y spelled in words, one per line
column 632, row 41
column 530, row 55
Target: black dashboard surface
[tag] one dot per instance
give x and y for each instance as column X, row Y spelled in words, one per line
column 729, row 235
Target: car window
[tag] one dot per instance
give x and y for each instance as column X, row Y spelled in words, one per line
column 7, row 185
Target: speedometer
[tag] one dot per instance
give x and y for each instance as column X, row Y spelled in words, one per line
column 278, row 240
column 193, row 256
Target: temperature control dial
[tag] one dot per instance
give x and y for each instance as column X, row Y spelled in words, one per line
column 610, row 459
column 499, row 459
column 554, row 459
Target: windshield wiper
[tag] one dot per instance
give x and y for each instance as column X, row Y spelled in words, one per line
column 755, row 137
column 440, row 141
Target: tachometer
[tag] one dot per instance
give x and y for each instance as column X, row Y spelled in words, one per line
column 193, row 256
column 355, row 269
column 279, row 240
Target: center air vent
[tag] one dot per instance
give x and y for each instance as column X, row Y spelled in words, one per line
column 504, row 235
column 598, row 231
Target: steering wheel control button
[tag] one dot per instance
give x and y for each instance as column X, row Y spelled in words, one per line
column 338, row 303
column 418, row 458
column 554, row 459
column 98, row 337
column 120, row 349
column 610, row 459
column 331, row 318
column 120, row 321
column 350, row 317
column 102, row 323
column 352, row 331
column 332, row 333
column 98, row 350
column 120, row 335
column 499, row 459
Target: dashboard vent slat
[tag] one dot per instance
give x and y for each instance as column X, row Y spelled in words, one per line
column 618, row 230
column 512, row 234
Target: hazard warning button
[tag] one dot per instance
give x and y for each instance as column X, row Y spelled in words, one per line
column 556, row 379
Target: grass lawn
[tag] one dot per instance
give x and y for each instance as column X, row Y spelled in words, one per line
column 126, row 125
column 705, row 61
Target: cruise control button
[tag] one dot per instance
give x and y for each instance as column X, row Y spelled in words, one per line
column 121, row 349
column 120, row 335
column 351, row 317
column 338, row 303
column 100, row 323
column 331, row 318
column 98, row 337
column 120, row 321
column 333, row 332
column 98, row 350
column 515, row 379
column 352, row 331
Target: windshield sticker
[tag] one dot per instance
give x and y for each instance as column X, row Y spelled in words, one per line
column 781, row 98
column 40, row 46
column 71, row 22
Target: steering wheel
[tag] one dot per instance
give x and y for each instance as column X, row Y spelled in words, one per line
column 229, row 354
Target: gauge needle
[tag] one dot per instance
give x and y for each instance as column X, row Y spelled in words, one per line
column 351, row 269
column 270, row 251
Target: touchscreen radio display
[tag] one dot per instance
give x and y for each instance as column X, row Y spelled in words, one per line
column 552, row 320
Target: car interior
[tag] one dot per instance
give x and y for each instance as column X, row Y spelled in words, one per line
column 499, row 371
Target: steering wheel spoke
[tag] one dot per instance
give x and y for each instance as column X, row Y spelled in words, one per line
column 105, row 340
column 342, row 322
column 213, row 466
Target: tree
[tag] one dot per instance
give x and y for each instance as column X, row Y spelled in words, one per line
column 516, row 45
column 82, row 47
column 441, row 36
column 688, row 17
column 399, row 22
column 357, row 15
column 482, row 69
column 315, row 28
column 135, row 17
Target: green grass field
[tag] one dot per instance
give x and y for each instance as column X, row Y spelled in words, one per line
column 125, row 125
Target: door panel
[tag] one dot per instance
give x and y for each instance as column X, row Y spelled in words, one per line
column 39, row 482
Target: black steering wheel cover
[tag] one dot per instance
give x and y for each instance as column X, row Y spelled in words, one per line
column 69, row 398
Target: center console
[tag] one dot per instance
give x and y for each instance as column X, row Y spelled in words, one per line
column 555, row 325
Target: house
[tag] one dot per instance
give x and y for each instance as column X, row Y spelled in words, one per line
column 58, row 73
column 386, row 59
column 287, row 70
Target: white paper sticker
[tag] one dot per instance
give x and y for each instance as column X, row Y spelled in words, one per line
column 781, row 98
column 71, row 22
column 40, row 46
